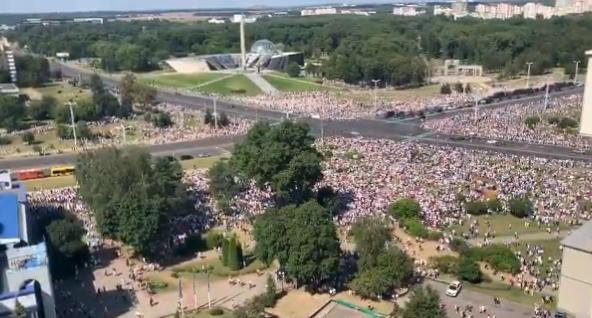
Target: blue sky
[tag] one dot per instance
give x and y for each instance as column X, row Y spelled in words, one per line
column 34, row 6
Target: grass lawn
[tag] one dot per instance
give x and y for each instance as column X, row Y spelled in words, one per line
column 231, row 85
column 217, row 269
column 48, row 141
column 286, row 84
column 62, row 91
column 550, row 249
column 205, row 313
column 183, row 80
column 285, row 75
column 68, row 181
column 499, row 224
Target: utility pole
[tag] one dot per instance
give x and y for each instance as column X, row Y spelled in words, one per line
column 215, row 114
column 576, row 71
column 124, row 131
column 375, row 81
column 529, row 64
column 79, row 78
column 476, row 108
column 547, row 94
column 70, row 103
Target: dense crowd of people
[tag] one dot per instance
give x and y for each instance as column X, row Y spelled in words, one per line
column 510, row 123
column 335, row 105
column 187, row 125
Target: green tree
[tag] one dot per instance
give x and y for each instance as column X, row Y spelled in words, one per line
column 144, row 95
column 293, row 69
column 532, row 121
column 12, row 113
column 132, row 196
column 281, row 157
column 469, row 270
column 476, row 207
column 424, row 303
column 233, row 258
column 271, row 294
column 371, row 236
column 405, row 208
column 445, row 89
column 42, row 109
column 459, row 87
column 208, row 117
column 468, row 88
column 19, row 310
column 393, row 269
column 520, row 207
column 66, row 236
column 495, row 205
column 162, row 120
column 96, row 84
column 28, row 138
column 223, row 121
column 303, row 239
column 225, row 252
column 223, row 185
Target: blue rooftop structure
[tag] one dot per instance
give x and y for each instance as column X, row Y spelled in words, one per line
column 9, row 218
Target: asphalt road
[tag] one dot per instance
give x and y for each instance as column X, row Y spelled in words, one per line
column 467, row 297
column 370, row 128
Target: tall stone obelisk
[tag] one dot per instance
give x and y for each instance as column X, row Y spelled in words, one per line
column 586, row 119
column 243, row 45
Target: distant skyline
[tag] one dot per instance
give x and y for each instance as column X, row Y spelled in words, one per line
column 48, row 6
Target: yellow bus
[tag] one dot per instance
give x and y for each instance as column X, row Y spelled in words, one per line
column 63, row 171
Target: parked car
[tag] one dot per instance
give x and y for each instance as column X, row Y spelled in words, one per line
column 454, row 289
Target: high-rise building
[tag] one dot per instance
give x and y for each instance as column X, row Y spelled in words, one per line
column 460, row 7
column 7, row 61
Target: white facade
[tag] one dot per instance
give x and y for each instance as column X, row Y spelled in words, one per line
column 407, row 11
column 318, row 11
column 586, row 119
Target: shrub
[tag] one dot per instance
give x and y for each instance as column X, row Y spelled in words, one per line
column 225, row 252
column 434, row 235
column 476, row 207
column 532, row 121
column 445, row 89
column 214, row 240
column 460, row 246
column 5, row 141
column 216, row 312
column 469, row 270
column 567, row 122
column 499, row 257
column 414, row 227
column 495, row 205
column 405, row 208
column 520, row 207
column 446, row 264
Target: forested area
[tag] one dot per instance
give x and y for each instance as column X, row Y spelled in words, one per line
column 393, row 49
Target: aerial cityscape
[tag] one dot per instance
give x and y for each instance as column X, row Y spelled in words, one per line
column 409, row 160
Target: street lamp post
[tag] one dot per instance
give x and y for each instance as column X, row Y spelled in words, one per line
column 577, row 63
column 546, row 94
column 529, row 64
column 215, row 115
column 375, row 81
column 70, row 104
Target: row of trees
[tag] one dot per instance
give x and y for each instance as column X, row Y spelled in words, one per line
column 396, row 50
column 133, row 196
column 32, row 71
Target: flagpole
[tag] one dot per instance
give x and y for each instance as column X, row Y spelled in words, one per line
column 209, row 294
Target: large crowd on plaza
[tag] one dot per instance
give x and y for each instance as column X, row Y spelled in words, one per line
column 333, row 105
column 510, row 123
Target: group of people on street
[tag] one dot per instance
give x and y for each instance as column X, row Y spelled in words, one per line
column 512, row 123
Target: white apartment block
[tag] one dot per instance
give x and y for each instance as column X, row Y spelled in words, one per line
column 318, row 11
column 407, row 11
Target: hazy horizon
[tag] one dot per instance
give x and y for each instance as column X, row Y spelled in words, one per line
column 70, row 6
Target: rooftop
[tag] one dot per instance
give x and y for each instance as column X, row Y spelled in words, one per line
column 9, row 218
column 8, row 88
column 580, row 239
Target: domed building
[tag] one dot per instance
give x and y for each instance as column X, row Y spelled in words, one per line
column 263, row 47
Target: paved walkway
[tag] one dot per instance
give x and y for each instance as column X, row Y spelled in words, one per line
column 539, row 236
column 212, row 81
column 262, row 83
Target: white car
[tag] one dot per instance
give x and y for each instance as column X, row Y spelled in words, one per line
column 454, row 289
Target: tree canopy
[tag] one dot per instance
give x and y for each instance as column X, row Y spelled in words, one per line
column 394, row 49
column 133, row 195
column 424, row 303
column 381, row 267
column 304, row 241
column 282, row 158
